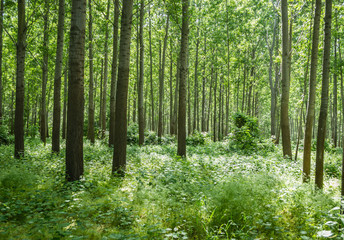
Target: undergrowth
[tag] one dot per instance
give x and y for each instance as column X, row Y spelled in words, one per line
column 214, row 193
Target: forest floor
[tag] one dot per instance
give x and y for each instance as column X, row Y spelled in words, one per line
column 214, row 193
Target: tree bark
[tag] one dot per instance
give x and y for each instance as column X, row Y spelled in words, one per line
column 141, row 79
column 120, row 140
column 19, row 110
column 151, row 70
column 183, row 76
column 311, row 95
column 43, row 114
column 319, row 167
column 90, row 127
column 161, row 82
column 114, row 75
column 1, row 42
column 64, row 114
column 75, row 111
column 195, row 113
column 57, row 80
column 106, row 51
column 335, row 103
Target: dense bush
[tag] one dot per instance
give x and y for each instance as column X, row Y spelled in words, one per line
column 5, row 137
column 195, row 139
column 245, row 133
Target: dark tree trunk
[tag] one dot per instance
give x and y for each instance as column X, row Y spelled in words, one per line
column 203, row 88
column 285, row 127
column 214, row 121
column 114, row 75
column 57, row 80
column 120, row 140
column 90, row 127
column 183, row 77
column 43, row 114
column 103, row 113
column 319, row 167
column 75, row 111
column 161, row 82
column 19, row 110
column 64, row 115
column 195, row 113
column 1, row 30
column 141, row 79
column 311, row 95
column 335, row 121
column 151, row 70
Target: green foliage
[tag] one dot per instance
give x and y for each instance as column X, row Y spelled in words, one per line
column 150, row 136
column 5, row 137
column 245, row 131
column 211, row 194
column 195, row 139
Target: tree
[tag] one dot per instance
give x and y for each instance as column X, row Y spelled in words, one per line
column 19, row 111
column 161, row 82
column 75, row 110
column 311, row 95
column 114, row 74
column 285, row 83
column 120, row 140
column 90, row 127
column 1, row 42
column 57, row 80
column 319, row 168
column 141, row 79
column 183, row 77
column 43, row 111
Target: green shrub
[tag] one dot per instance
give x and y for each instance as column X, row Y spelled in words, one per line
column 133, row 134
column 245, row 132
column 195, row 139
column 5, row 137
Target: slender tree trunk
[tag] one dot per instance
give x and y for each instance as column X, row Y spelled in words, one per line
column 272, row 85
column 214, row 121
column 161, row 82
column 103, row 113
column 1, row 42
column 151, row 69
column 203, row 87
column 120, row 140
column 19, row 110
column 311, row 95
column 335, row 121
column 183, row 77
column 319, row 167
column 285, row 127
column 141, row 79
column 64, row 115
column 101, row 95
column 175, row 107
column 43, row 120
column 210, row 96
column 57, row 80
column 90, row 129
column 171, row 88
column 195, row 113
column 75, row 111
column 114, row 75
column 189, row 102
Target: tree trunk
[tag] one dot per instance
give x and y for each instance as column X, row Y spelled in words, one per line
column 64, row 115
column 319, row 167
column 214, row 121
column 151, row 70
column 203, row 87
column 57, row 80
column 19, row 110
column 335, row 121
column 114, row 75
column 171, row 88
column 311, row 95
column 1, row 42
column 43, row 120
column 75, row 111
column 90, row 128
column 183, row 77
column 141, row 79
column 161, row 82
column 195, row 113
column 120, row 140
column 285, row 83
column 103, row 113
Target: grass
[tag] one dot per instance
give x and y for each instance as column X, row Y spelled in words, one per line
column 215, row 193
